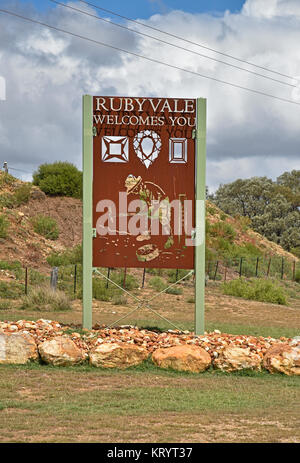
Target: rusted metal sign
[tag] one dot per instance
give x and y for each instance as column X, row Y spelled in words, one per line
column 143, row 182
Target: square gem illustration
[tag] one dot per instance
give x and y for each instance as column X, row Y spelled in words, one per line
column 178, row 150
column 115, row 149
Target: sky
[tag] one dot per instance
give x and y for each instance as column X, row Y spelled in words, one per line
column 43, row 74
column 146, row 8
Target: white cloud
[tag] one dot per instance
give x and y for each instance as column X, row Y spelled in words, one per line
column 47, row 72
column 271, row 8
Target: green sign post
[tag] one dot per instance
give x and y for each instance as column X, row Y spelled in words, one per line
column 200, row 193
column 87, row 238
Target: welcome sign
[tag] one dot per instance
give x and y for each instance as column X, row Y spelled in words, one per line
column 143, row 182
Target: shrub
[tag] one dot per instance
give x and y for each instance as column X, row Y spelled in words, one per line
column 7, row 200
column 295, row 251
column 11, row 290
column 22, row 194
column 155, row 271
column 173, row 273
column 157, row 283
column 173, row 290
column 46, row 226
column 59, row 179
column 257, row 290
column 223, row 230
column 14, row 265
column 70, row 256
column 3, row 226
column 6, row 179
column 100, row 292
column 297, row 276
column 44, row 299
column 130, row 281
column 119, row 299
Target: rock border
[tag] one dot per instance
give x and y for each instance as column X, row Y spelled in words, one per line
column 126, row 346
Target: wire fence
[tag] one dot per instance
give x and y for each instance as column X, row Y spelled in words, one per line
column 68, row 278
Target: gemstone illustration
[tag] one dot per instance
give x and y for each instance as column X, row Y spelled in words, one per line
column 178, row 150
column 147, row 146
column 115, row 149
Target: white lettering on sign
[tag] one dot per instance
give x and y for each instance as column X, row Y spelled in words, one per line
column 133, row 104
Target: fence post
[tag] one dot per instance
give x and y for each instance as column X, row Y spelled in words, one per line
column 256, row 270
column 108, row 274
column 54, row 278
column 225, row 272
column 282, row 267
column 269, row 265
column 124, row 280
column 241, row 266
column 294, row 270
column 216, row 269
column 144, row 274
column 75, row 279
column 208, row 268
column 26, row 281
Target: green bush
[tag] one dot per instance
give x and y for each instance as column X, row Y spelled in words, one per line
column 174, row 275
column 44, row 299
column 130, row 281
column 6, row 179
column 14, row 267
column 11, row 290
column 157, row 283
column 297, row 276
column 174, row 290
column 69, row 257
column 100, row 292
column 46, row 226
column 3, row 226
column 155, row 271
column 257, row 290
column 7, row 200
column 22, row 194
column 223, row 230
column 59, row 179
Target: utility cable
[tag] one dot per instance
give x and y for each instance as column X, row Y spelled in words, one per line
column 187, row 41
column 171, row 66
column 171, row 44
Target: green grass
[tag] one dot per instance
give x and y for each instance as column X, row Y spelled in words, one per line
column 144, row 403
column 256, row 290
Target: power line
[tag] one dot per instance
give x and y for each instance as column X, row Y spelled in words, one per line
column 171, row 44
column 149, row 59
column 187, row 41
column 19, row 170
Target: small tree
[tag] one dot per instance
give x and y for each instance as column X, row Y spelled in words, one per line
column 59, row 179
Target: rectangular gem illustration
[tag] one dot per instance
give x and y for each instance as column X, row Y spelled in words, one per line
column 178, row 150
